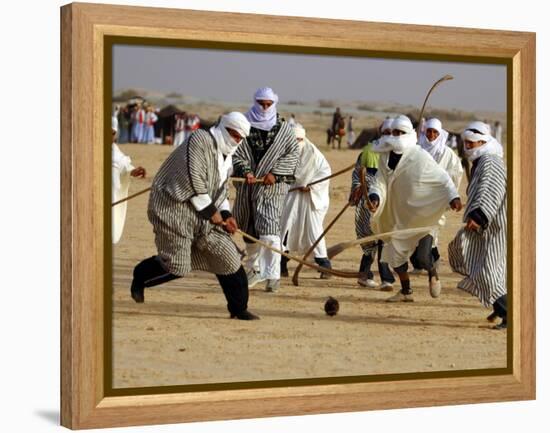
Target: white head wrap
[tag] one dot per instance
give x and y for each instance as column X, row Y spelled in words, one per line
column 381, row 145
column 435, row 148
column 402, row 123
column 236, row 121
column 386, row 124
column 399, row 143
column 479, row 131
column 260, row 118
column 434, row 123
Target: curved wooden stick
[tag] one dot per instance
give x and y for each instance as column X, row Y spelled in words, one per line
column 338, row 173
column 344, row 274
column 295, row 280
column 437, row 83
column 338, row 248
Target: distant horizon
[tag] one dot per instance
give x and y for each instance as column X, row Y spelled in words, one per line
column 233, row 76
column 344, row 105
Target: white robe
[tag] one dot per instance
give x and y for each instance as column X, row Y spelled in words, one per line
column 304, row 212
column 415, row 195
column 121, row 168
column 450, row 162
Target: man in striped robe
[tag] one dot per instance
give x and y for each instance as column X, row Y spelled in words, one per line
column 368, row 160
column 434, row 141
column 189, row 210
column 479, row 249
column 269, row 152
column 410, row 191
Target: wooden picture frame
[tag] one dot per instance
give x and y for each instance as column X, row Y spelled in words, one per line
column 84, row 129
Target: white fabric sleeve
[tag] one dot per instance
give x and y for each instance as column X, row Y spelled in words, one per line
column 120, row 161
column 225, row 206
column 451, row 190
column 377, row 186
column 200, row 201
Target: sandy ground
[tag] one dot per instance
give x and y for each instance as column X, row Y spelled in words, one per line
column 182, row 334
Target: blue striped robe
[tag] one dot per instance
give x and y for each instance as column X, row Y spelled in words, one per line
column 481, row 257
column 184, row 240
column 258, row 208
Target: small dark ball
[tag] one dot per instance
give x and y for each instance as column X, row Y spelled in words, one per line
column 332, row 306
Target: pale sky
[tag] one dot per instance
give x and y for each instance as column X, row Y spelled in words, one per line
column 228, row 75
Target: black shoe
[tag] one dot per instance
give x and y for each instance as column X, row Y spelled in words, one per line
column 245, row 315
column 324, row 262
column 503, row 324
column 137, row 293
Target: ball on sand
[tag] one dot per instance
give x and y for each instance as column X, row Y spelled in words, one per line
column 332, row 306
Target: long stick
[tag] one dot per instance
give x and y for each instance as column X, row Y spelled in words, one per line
column 437, row 83
column 232, row 179
column 131, row 196
column 338, row 248
column 338, row 173
column 295, row 280
column 343, row 274
column 243, row 179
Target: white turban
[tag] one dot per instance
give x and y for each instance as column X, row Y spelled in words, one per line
column 386, row 124
column 266, row 94
column 402, row 123
column 482, row 127
column 399, row 143
column 381, row 144
column 260, row 118
column 479, row 131
column 435, row 148
column 434, row 123
column 236, row 121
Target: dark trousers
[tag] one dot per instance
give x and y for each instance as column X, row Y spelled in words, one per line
column 500, row 306
column 150, row 273
column 424, row 255
column 324, row 262
column 423, row 259
column 386, row 274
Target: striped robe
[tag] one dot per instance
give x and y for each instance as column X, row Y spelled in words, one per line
column 258, row 208
column 362, row 214
column 184, row 240
column 481, row 257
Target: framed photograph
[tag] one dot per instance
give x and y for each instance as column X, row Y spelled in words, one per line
column 220, row 168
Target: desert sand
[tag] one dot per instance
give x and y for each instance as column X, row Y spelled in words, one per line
column 182, row 334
